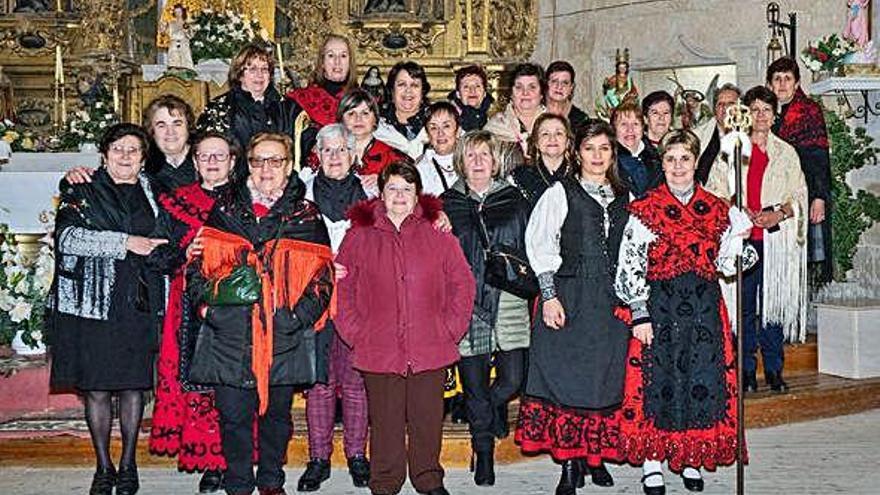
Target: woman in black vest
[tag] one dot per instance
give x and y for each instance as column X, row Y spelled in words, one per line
column 576, row 358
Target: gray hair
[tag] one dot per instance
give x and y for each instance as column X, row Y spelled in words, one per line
column 726, row 87
column 335, row 131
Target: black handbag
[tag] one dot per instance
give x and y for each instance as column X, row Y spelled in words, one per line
column 506, row 268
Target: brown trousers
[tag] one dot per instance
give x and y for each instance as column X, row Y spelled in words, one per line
column 398, row 404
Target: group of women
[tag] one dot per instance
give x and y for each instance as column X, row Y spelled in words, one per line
column 316, row 242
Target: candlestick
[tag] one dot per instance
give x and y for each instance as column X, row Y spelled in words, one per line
column 57, row 63
column 280, row 63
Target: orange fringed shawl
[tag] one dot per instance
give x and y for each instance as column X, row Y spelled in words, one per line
column 294, row 263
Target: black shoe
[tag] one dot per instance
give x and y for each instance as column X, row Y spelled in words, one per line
column 601, row 476
column 317, row 472
column 457, row 409
column 484, row 473
column 212, row 481
column 583, row 470
column 569, row 479
column 775, row 382
column 127, row 482
column 750, row 382
column 500, row 423
column 653, row 490
column 693, row 484
column 359, row 469
column 103, row 481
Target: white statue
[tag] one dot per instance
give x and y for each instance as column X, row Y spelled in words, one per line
column 179, row 53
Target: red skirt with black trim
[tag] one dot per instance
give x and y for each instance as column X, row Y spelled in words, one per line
column 568, row 433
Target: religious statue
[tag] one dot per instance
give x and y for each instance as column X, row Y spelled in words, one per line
column 7, row 98
column 31, row 6
column 179, row 53
column 619, row 87
column 691, row 107
column 857, row 22
column 373, row 84
column 384, row 6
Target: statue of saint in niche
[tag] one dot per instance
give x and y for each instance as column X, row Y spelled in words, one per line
column 384, row 6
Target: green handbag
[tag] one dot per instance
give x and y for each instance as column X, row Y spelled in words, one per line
column 241, row 287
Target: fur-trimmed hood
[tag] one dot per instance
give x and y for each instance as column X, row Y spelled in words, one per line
column 365, row 213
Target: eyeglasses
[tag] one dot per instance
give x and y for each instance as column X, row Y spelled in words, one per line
column 208, row 157
column 273, row 161
column 256, row 71
column 124, row 150
column 401, row 190
column 328, row 151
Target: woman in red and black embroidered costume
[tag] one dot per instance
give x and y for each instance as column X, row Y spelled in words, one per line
column 335, row 73
column 185, row 422
column 680, row 388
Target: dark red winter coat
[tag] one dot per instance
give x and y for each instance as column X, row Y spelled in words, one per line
column 407, row 298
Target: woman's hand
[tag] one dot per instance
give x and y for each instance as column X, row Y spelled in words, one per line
column 196, row 247
column 143, row 245
column 442, row 224
column 370, row 182
column 79, row 175
column 644, row 332
column 340, row 271
column 817, row 210
column 554, row 314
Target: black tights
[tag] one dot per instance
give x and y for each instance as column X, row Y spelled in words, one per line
column 99, row 416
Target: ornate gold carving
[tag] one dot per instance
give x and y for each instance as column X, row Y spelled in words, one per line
column 374, row 39
column 14, row 30
column 103, row 25
column 309, row 25
column 514, row 27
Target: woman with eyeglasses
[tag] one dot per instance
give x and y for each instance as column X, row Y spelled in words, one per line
column 185, row 421
column 405, row 298
column 251, row 106
column 262, row 278
column 105, row 299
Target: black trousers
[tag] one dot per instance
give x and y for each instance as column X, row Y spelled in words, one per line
column 483, row 400
column 238, row 408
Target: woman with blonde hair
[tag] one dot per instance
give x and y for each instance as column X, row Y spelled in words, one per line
column 551, row 154
column 487, row 212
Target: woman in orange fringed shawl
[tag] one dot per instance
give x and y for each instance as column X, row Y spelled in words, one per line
column 255, row 354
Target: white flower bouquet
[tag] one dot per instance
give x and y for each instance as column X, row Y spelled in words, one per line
column 87, row 125
column 827, row 53
column 24, row 290
column 221, row 34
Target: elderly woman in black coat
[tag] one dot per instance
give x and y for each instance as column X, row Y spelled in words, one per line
column 106, row 297
column 487, row 212
column 254, row 348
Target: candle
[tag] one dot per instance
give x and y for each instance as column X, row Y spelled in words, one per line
column 116, row 97
column 58, row 5
column 57, row 63
column 280, row 62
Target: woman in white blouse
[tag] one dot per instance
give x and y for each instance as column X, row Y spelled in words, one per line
column 576, row 360
column 680, row 393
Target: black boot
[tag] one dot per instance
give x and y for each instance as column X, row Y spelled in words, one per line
column 359, row 469
column 317, row 472
column 212, row 481
column 569, row 478
column 750, row 382
column 103, row 481
column 127, row 482
column 601, row 476
column 583, row 470
column 484, row 472
column 775, row 382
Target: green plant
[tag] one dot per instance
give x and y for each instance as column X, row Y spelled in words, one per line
column 852, row 213
column 221, row 34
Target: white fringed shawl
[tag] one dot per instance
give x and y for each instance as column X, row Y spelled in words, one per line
column 785, row 251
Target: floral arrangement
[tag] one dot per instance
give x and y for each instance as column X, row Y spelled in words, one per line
column 20, row 140
column 87, row 124
column 24, row 290
column 221, row 34
column 828, row 53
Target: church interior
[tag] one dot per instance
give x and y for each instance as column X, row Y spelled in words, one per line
column 70, row 69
